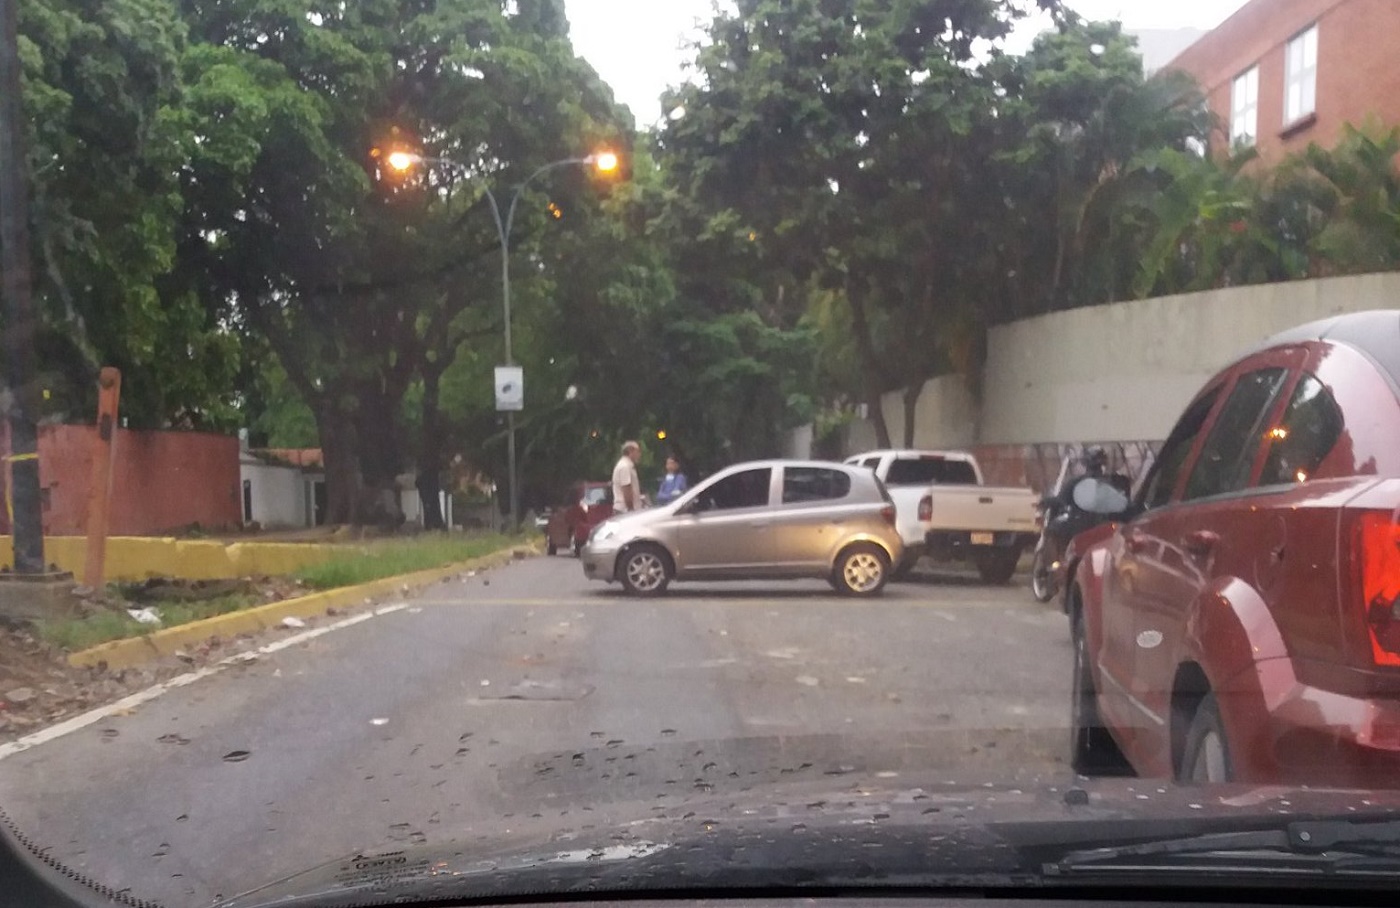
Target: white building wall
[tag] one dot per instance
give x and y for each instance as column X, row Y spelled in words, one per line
column 278, row 494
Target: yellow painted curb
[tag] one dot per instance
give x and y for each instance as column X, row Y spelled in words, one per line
column 133, row 651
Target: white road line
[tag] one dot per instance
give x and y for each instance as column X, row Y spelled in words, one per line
column 129, row 702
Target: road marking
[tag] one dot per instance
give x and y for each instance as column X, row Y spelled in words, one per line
column 722, row 599
column 68, row 726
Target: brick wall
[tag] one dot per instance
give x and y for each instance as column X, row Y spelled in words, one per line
column 1358, row 73
column 161, row 481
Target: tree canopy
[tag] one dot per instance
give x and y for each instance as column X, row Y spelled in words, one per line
column 843, row 198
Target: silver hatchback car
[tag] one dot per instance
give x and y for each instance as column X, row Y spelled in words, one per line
column 779, row 519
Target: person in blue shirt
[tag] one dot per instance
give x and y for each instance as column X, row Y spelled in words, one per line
column 672, row 484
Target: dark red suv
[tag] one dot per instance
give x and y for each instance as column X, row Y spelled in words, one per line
column 1242, row 621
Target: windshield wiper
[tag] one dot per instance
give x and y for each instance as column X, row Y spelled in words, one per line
column 1363, row 848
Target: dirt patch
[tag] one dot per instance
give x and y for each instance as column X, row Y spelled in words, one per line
column 38, row 687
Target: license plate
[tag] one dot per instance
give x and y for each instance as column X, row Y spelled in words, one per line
column 984, row 538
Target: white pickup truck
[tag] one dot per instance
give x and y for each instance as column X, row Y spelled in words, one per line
column 945, row 512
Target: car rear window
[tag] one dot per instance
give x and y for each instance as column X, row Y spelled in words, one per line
column 1304, row 436
column 802, row 484
column 1229, row 452
column 929, row 471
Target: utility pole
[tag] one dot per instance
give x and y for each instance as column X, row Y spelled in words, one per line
column 26, row 522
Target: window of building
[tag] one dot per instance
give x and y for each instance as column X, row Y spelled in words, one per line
column 1244, row 108
column 1300, row 86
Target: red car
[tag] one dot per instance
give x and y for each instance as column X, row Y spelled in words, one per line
column 589, row 504
column 1242, row 620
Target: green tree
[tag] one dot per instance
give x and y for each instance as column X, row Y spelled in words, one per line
column 1078, row 116
column 109, row 136
column 848, row 143
column 1343, row 204
column 364, row 282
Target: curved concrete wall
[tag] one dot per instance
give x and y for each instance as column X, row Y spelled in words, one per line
column 1120, row 372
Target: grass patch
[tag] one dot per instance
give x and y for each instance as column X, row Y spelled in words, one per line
column 81, row 633
column 359, row 563
column 389, row 557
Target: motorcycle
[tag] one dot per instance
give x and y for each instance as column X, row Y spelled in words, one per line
column 1090, row 504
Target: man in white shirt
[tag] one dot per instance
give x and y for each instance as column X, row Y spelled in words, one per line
column 627, row 486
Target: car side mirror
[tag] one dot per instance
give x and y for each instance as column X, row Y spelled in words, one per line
column 1095, row 495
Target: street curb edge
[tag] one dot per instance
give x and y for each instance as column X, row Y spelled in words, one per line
column 134, row 651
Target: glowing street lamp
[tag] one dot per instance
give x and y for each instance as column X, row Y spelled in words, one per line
column 402, row 161
column 602, row 161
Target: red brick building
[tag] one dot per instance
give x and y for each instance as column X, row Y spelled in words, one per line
column 1282, row 74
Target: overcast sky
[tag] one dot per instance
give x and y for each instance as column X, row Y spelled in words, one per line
column 635, row 44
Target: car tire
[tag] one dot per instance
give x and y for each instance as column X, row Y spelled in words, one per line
column 1205, row 758
column 1042, row 578
column 550, row 548
column 1093, row 752
column 861, row 569
column 996, row 566
column 644, row 570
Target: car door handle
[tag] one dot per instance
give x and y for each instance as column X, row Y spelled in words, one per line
column 1200, row 543
column 1135, row 543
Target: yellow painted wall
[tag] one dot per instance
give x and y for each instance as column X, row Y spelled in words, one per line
column 140, row 557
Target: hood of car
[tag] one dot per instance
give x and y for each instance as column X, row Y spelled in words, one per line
column 871, row 833
column 631, row 520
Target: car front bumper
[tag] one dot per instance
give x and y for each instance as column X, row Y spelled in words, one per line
column 599, row 562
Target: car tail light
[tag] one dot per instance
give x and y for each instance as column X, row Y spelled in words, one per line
column 1376, row 556
column 926, row 507
column 887, row 512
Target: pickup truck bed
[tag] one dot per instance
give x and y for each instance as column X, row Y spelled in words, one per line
column 942, row 509
column 988, row 525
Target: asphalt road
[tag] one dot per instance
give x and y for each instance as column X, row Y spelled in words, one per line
column 529, row 699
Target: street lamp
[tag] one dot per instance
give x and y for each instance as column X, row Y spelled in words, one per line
column 603, row 162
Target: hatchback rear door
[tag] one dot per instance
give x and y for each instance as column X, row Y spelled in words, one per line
column 814, row 510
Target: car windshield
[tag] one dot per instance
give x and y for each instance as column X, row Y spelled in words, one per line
column 463, row 451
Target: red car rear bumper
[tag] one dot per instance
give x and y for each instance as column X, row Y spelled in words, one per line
column 1312, row 736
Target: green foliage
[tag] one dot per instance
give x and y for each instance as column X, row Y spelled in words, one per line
column 281, row 419
column 107, row 142
column 850, row 194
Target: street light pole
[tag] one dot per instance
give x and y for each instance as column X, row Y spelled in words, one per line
column 604, row 161
column 503, row 232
